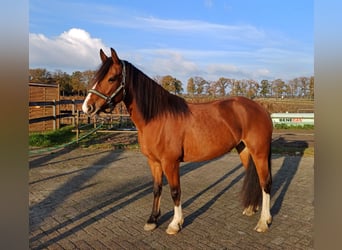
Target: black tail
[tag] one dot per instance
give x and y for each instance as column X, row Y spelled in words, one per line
column 251, row 190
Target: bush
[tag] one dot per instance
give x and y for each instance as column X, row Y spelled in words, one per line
column 286, row 126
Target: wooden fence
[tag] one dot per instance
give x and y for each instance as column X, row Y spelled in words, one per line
column 50, row 111
column 51, row 115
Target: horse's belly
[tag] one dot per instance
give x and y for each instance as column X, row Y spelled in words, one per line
column 206, row 148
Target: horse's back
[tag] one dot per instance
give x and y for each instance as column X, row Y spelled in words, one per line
column 214, row 128
column 236, row 111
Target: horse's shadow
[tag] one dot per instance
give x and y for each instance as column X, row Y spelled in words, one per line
column 284, row 176
column 75, row 185
column 41, row 160
column 46, row 207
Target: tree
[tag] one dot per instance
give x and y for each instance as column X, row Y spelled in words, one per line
column 88, row 77
column 77, row 82
column 312, row 88
column 278, row 87
column 302, row 85
column 191, row 88
column 64, row 81
column 292, row 84
column 200, row 84
column 40, row 75
column 212, row 88
column 221, row 85
column 252, row 89
column 305, row 82
column 265, row 88
column 234, row 87
column 172, row 84
column 241, row 87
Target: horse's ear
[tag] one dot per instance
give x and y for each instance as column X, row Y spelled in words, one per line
column 115, row 56
column 103, row 56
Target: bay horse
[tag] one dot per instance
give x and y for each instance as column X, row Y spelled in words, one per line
column 171, row 131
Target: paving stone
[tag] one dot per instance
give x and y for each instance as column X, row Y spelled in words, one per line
column 86, row 199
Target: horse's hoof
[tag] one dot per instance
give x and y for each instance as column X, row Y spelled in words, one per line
column 173, row 230
column 150, row 226
column 262, row 226
column 250, row 210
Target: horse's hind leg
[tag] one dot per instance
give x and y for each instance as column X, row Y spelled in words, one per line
column 157, row 174
column 262, row 163
column 257, row 183
column 245, row 156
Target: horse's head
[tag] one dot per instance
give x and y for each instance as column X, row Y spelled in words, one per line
column 109, row 85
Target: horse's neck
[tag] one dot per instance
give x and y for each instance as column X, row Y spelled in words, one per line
column 135, row 115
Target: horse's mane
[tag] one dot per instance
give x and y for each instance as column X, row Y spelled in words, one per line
column 152, row 99
column 102, row 71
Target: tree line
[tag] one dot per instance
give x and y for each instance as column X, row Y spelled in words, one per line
column 78, row 82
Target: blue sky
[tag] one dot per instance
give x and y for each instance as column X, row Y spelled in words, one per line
column 241, row 39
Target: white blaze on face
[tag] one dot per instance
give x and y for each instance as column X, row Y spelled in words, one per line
column 85, row 103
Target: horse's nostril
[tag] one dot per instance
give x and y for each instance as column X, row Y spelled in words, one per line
column 90, row 108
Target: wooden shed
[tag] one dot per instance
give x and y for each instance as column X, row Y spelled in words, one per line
column 41, row 96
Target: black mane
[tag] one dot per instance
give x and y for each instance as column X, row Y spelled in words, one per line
column 152, row 99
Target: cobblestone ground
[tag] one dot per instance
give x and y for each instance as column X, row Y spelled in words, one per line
column 100, row 199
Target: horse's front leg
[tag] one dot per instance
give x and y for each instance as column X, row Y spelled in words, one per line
column 157, row 175
column 172, row 174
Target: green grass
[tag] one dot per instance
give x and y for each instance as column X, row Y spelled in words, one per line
column 52, row 138
column 286, row 126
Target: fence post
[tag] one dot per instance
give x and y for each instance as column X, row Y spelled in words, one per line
column 73, row 113
column 54, row 115
column 77, row 125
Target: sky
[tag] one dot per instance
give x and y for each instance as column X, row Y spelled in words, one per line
column 241, row 39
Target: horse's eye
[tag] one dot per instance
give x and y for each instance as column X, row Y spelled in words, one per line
column 112, row 79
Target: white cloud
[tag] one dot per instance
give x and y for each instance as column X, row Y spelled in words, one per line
column 76, row 49
column 171, row 61
column 72, row 50
column 184, row 64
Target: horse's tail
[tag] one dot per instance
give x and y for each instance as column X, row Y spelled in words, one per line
column 251, row 191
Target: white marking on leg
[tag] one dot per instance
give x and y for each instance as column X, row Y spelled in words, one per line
column 177, row 221
column 265, row 217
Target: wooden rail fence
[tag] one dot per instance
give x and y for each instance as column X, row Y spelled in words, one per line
column 43, row 111
column 49, row 115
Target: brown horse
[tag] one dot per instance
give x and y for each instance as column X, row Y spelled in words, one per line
column 171, row 131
